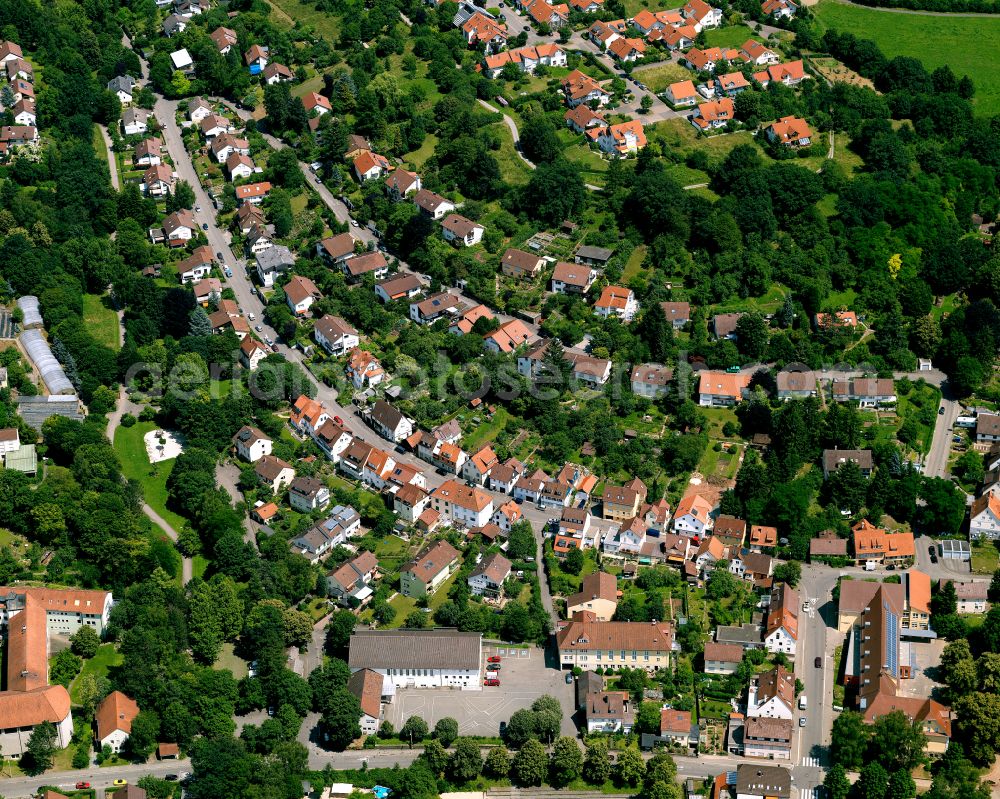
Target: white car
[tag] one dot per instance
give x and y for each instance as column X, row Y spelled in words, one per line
column 354, row 222
column 251, row 316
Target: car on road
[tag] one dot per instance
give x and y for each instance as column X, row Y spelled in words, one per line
column 941, row 411
column 251, row 316
column 119, row 782
column 354, row 222
column 802, row 721
column 818, row 663
column 259, row 328
column 569, row 678
column 81, row 785
column 170, row 777
column 493, row 659
column 219, row 256
column 204, row 225
column 492, row 682
column 228, row 271
column 338, row 420
column 197, row 208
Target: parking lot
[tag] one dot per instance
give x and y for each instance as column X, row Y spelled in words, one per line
column 924, row 656
column 523, row 678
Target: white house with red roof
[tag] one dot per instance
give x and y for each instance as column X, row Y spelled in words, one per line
column 790, row 132
column 300, row 294
column 457, row 229
column 253, row 193
column 701, row 15
column 713, row 114
column 779, row 9
column 371, row 166
column 617, row 301
column 315, row 102
column 681, row 94
column 791, row 73
column 620, row 139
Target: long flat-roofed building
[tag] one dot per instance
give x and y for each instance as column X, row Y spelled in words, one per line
column 441, row 658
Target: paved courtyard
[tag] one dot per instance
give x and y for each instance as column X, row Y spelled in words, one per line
column 924, row 655
column 523, row 678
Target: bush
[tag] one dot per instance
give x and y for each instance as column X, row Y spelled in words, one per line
column 128, row 420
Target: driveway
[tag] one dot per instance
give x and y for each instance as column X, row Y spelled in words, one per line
column 524, row 678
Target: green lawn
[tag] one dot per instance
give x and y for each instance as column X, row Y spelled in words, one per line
column 730, row 36
column 101, row 320
column 106, row 657
column 98, row 141
column 985, row 558
column 131, row 452
column 418, row 157
column 486, row 432
column 228, row 661
column 662, row 75
column 966, row 44
column 633, row 267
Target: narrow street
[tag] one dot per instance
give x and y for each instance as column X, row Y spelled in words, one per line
column 112, row 161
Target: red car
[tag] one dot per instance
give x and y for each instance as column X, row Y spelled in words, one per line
column 494, row 659
column 338, row 420
column 83, row 785
column 492, row 682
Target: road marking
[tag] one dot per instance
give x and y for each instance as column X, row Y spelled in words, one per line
column 810, row 762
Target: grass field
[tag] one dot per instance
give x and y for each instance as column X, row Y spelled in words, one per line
column 512, row 169
column 101, row 320
column 985, row 558
column 418, row 157
column 228, row 661
column 106, row 657
column 288, row 12
column 662, row 75
column 730, row 36
column 967, row 44
column 131, row 452
column 633, row 267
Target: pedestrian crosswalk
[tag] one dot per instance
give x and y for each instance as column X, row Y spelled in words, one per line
column 815, row 792
column 810, row 761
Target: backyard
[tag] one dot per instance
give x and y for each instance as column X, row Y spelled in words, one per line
column 965, row 44
column 98, row 666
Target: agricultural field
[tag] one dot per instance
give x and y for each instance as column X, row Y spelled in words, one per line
column 966, row 44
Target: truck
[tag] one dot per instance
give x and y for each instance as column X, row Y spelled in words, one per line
column 802, row 702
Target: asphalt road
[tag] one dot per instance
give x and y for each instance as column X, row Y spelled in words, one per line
column 99, row 778
column 936, row 463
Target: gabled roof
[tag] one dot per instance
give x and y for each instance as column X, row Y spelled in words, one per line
column 300, row 288
column 366, row 685
column 115, row 712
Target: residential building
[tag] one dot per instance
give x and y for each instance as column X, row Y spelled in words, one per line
column 433, row 205
column 724, row 325
column 401, row 183
column 526, row 59
column 409, row 502
column 763, row 538
column 879, row 546
column 868, row 392
column 520, row 264
column 710, row 551
column 758, row 54
column 581, row 118
column 157, row 181
column 422, row 576
column 731, row 84
column 570, row 278
column 650, row 379
column 620, row 503
column 627, row 50
column 459, row 230
column 252, row 352
column 581, row 89
column 768, row 738
column 336, row 249
column 388, row 422
column 488, row 577
column 239, row 166
column 364, row 369
column 366, row 685
column 273, row 262
column 681, row 94
column 253, row 193
column 676, row 727
column 933, row 718
column 402, row 286
column 432, row 308
column 779, row 9
column 782, row 631
column 508, row 337
column 833, row 459
column 371, row 166
column 971, row 595
column 721, row 389
column 251, row 444
column 608, row 711
column 333, row 439
column 598, row 592
column 722, row 658
column 772, row 695
column 113, row 720
column 693, row 516
column 588, row 643
column 677, row 313
column 827, row 547
column 709, row 59
column 790, row 131
column 277, row 73
column 477, row 468
column 621, row 139
column 122, row 87
column 440, row 658
column 617, row 301
column 316, row 104
column 274, row 472
column 461, row 504
column 196, row 266
column 730, row 531
column 856, row 595
column 791, row 73
column 300, row 294
column 792, row 385
column 984, row 517
column 148, row 152
column 916, row 618
column 335, row 335
column 308, row 415
column 506, row 516
column 713, row 114
column 701, row 15
column 307, row 494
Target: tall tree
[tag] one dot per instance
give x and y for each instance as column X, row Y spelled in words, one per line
column 530, row 764
column 566, row 763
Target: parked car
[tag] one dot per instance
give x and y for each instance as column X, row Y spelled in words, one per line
column 119, row 782
column 941, row 411
column 204, row 225
column 492, row 683
column 81, row 785
column 802, row 721
column 251, row 316
column 170, row 777
column 818, row 663
column 219, row 256
column 493, row 659
column 228, row 271
column 569, row 678
column 338, row 420
column 493, row 667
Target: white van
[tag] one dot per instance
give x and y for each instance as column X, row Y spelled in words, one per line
column 802, row 702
